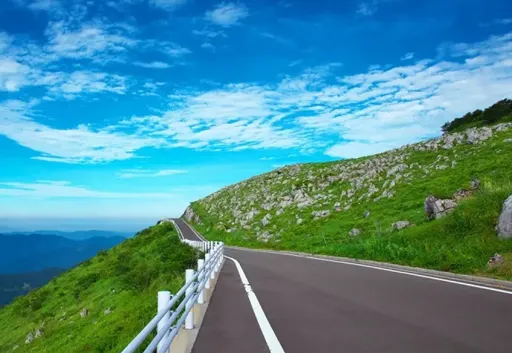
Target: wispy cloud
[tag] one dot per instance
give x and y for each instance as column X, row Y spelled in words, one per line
column 208, row 46
column 61, row 189
column 499, row 21
column 367, row 8
column 227, row 14
column 168, row 5
column 152, row 65
column 74, row 145
column 407, row 56
column 145, row 173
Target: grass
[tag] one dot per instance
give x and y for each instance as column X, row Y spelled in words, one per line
column 462, row 242
column 125, row 279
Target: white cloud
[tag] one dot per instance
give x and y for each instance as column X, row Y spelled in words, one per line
column 227, row 14
column 367, row 8
column 407, row 56
column 93, row 41
column 79, row 82
column 12, row 75
column 208, row 46
column 358, row 149
column 61, row 189
column 209, row 33
column 153, row 65
column 168, row 4
column 144, row 173
column 76, row 145
column 172, row 49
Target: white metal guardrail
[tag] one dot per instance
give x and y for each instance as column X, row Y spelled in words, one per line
column 177, row 310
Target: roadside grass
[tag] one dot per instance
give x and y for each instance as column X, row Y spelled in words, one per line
column 125, row 279
column 461, row 242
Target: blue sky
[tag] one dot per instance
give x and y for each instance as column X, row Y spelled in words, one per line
column 131, row 109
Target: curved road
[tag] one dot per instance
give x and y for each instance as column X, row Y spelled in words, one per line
column 318, row 306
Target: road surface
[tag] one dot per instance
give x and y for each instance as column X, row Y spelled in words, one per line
column 321, row 306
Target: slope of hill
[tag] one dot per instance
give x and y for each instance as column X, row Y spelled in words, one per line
column 35, row 252
column 118, row 288
column 347, row 208
column 500, row 112
column 14, row 285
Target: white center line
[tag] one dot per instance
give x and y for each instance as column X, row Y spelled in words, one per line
column 268, row 333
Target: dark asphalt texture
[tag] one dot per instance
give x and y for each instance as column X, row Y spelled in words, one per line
column 317, row 306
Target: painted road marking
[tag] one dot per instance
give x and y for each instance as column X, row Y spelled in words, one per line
column 503, row 291
column 268, row 333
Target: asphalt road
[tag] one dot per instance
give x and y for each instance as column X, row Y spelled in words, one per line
column 318, row 306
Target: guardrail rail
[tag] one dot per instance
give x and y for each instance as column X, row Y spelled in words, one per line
column 175, row 311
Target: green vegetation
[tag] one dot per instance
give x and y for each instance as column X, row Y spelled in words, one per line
column 125, row 279
column 461, row 242
column 499, row 112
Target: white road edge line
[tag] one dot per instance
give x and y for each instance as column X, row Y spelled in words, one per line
column 503, row 291
column 267, row 331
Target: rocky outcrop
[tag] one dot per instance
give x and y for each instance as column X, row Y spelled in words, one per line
column 164, row 220
column 436, row 208
column 191, row 216
column 504, row 226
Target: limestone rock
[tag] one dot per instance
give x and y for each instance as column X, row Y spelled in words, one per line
column 107, row 311
column 354, row 232
column 495, row 261
column 84, row 312
column 504, row 226
column 299, row 220
column 401, row 225
column 437, row 208
column 30, row 338
column 323, row 213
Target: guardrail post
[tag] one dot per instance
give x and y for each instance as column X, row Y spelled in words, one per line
column 189, row 320
column 213, row 260
column 200, row 265
column 163, row 298
column 207, row 267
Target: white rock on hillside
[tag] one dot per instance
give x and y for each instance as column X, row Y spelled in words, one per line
column 401, row 225
column 505, row 220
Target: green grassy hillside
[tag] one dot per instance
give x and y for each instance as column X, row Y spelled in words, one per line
column 313, row 207
column 119, row 288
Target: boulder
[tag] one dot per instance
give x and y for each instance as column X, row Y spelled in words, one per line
column 495, row 261
column 107, row 311
column 354, row 232
column 436, row 208
column 504, row 226
column 507, row 140
column 299, row 220
column 366, row 214
column 401, row 225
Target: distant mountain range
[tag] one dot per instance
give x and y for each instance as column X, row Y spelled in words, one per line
column 14, row 285
column 21, row 253
column 77, row 235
